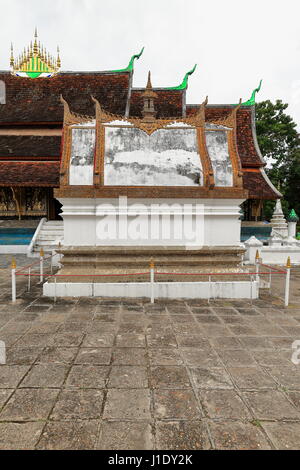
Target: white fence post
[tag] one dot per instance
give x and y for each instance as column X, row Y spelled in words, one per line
column 287, row 282
column 152, row 280
column 13, row 280
column 29, row 279
column 257, row 266
column 41, row 265
column 2, row 353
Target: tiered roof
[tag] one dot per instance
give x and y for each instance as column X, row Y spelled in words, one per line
column 33, row 104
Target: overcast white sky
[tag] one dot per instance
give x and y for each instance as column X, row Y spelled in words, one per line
column 235, row 43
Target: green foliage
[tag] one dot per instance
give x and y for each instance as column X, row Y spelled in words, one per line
column 278, row 140
column 268, row 209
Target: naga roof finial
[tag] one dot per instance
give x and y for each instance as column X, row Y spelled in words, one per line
column 184, row 82
column 251, row 100
column 129, row 67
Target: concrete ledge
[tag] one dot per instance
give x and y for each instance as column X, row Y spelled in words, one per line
column 14, row 249
column 166, row 290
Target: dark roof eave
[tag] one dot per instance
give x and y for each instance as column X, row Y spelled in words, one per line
column 211, row 105
column 77, row 72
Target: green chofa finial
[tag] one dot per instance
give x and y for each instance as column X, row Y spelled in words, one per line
column 184, row 83
column 129, row 67
column 251, row 101
column 293, row 216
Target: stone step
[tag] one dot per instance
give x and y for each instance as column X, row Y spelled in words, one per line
column 54, row 222
column 50, row 242
column 48, row 235
column 139, row 261
column 52, row 230
column 46, row 248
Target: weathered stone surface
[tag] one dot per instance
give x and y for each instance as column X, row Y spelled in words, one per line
column 208, row 319
column 193, row 341
column 255, row 343
column 251, row 378
column 130, row 356
column 97, row 356
column 237, row 436
column 199, row 357
column 35, row 339
column 270, row 405
column 250, row 400
column 295, row 398
column 116, row 435
column 237, row 357
column 87, row 376
column 4, row 395
column 60, row 355
column 225, row 311
column 162, row 340
column 29, row 405
column 44, row 327
column 134, row 340
column 78, row 404
column 11, row 376
column 45, row 375
column 213, row 378
column 20, row 436
column 176, row 404
column 226, row 342
column 75, row 435
column 215, row 330
column 67, row 339
column 242, row 330
column 285, row 436
column 287, row 376
column 182, row 435
column 128, row 377
column 169, row 377
column 269, row 358
column 165, row 357
column 223, row 404
column 23, row 356
column 202, row 311
column 15, row 327
column 127, row 404
column 98, row 340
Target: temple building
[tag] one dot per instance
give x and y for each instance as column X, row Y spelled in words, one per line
column 37, row 98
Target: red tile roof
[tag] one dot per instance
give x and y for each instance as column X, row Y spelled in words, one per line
column 38, row 100
column 29, row 174
column 30, row 146
column 169, row 103
column 246, row 134
column 259, row 185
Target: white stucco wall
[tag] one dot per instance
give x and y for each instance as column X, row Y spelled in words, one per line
column 167, row 290
column 212, row 222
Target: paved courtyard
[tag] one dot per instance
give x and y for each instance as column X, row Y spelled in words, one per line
column 119, row 374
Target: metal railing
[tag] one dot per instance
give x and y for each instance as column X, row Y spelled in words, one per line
column 256, row 275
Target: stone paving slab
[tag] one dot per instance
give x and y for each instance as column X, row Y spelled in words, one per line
column 126, row 374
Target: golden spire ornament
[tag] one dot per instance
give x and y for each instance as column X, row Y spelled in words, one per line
column 35, row 61
column 12, row 60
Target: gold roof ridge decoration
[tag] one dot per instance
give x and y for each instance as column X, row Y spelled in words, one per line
column 198, row 121
column 35, row 61
column 149, row 126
